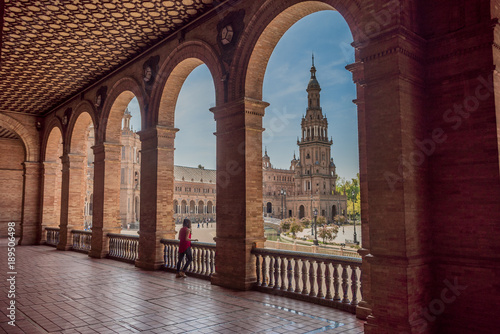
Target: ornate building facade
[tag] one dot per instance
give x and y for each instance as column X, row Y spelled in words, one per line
column 309, row 184
column 194, row 191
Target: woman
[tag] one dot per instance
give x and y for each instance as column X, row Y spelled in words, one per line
column 185, row 247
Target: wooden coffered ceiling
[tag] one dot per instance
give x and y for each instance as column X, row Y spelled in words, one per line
column 53, row 49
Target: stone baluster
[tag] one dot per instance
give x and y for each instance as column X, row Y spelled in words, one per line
column 345, row 283
column 257, row 269
column 354, row 285
column 304, row 277
column 320, row 279
column 328, row 278
column 290, row 274
column 297, row 276
column 312, row 290
column 336, row 282
column 283, row 273
column 276, row 272
column 271, row 271
column 264, row 271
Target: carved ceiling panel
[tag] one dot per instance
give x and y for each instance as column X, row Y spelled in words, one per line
column 53, row 49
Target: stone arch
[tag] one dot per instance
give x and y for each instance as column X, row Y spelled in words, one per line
column 176, row 206
column 302, row 212
column 269, row 207
column 192, row 206
column 264, row 31
column 120, row 95
column 52, row 176
column 201, row 207
column 29, row 141
column 82, row 118
column 174, row 71
column 12, row 173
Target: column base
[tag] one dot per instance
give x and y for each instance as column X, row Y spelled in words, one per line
column 149, row 265
column 233, row 282
column 363, row 310
column 64, row 247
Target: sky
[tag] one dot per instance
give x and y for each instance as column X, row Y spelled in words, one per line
column 325, row 34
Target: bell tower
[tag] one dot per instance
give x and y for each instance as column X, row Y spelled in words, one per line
column 317, row 169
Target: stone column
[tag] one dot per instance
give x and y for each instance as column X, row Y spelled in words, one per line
column 106, row 202
column 240, row 225
column 363, row 310
column 30, row 218
column 157, row 195
column 49, row 214
column 72, row 198
column 398, row 238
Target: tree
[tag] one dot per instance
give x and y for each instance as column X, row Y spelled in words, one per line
column 339, row 219
column 320, row 220
column 352, row 191
column 286, row 223
column 306, row 222
column 328, row 232
column 296, row 226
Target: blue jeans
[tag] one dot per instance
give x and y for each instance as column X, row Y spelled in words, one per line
column 189, row 256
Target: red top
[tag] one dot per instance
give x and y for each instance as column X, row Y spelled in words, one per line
column 183, row 244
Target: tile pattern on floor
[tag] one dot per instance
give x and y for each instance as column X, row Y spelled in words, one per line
column 68, row 292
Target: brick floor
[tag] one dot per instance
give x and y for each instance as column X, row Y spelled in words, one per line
column 68, row 292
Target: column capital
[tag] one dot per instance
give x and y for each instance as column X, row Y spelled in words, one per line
column 32, row 166
column 249, row 105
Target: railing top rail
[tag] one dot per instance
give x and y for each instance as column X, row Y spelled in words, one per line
column 81, row 232
column 122, row 236
column 194, row 243
column 52, row 228
column 308, row 256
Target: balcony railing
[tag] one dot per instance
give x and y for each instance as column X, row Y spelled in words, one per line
column 203, row 265
column 123, row 247
column 52, row 236
column 82, row 241
column 323, row 279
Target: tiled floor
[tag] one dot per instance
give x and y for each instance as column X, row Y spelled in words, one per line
column 68, row 292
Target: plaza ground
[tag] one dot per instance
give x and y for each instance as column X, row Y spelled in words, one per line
column 69, row 292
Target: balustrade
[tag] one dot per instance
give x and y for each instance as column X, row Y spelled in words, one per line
column 52, row 236
column 123, row 247
column 82, row 241
column 310, row 277
column 203, row 265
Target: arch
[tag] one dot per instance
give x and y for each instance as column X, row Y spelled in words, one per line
column 184, row 206
column 269, row 207
column 79, row 123
column 209, row 207
column 264, row 31
column 174, row 71
column 52, row 178
column 302, row 212
column 29, row 141
column 334, row 211
column 201, row 207
column 120, row 95
column 192, row 206
column 176, row 206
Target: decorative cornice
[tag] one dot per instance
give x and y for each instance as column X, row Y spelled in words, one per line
column 391, row 51
column 461, row 52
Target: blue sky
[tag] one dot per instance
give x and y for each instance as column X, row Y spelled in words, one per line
column 285, row 84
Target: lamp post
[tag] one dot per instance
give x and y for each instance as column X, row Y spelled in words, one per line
column 315, row 228
column 284, row 199
column 354, row 216
column 312, row 209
